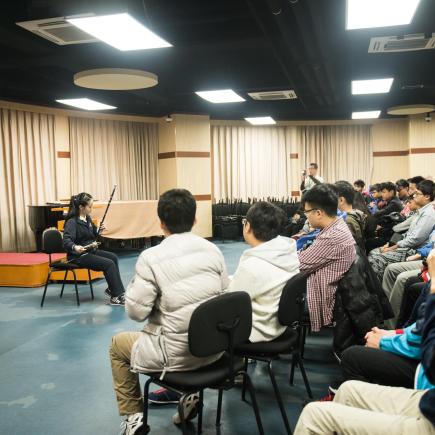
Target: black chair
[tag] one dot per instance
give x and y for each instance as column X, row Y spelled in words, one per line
column 290, row 312
column 215, row 326
column 52, row 243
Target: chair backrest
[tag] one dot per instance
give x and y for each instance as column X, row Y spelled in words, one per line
column 220, row 324
column 52, row 241
column 291, row 304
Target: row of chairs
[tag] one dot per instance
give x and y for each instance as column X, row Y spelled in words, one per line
column 223, row 324
column 227, row 215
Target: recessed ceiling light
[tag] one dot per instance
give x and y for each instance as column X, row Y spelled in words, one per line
column 261, row 120
column 86, row 104
column 366, row 115
column 221, row 96
column 120, row 31
column 363, row 14
column 378, row 86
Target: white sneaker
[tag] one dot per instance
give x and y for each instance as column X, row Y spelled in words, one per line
column 133, row 425
column 190, row 409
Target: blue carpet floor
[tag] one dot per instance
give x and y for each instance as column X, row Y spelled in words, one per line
column 55, row 375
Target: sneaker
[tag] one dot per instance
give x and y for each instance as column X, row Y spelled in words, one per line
column 328, row 398
column 133, row 425
column 107, row 292
column 164, row 397
column 117, row 300
column 190, row 409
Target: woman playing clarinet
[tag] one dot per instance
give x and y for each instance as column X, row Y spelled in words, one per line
column 79, row 241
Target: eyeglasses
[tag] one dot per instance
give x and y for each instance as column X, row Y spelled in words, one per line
column 417, row 194
column 305, row 212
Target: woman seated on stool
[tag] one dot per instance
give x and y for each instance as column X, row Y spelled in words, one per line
column 79, row 233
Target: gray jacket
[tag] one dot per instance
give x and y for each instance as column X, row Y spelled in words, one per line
column 172, row 279
column 420, row 229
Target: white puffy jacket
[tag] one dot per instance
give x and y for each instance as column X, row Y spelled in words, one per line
column 172, row 279
column 263, row 272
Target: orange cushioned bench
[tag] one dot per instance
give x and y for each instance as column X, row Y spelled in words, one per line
column 31, row 270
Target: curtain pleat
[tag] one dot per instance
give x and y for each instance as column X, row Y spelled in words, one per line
column 27, row 171
column 104, row 153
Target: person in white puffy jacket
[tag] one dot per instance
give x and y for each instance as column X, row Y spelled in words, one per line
column 171, row 280
column 265, row 268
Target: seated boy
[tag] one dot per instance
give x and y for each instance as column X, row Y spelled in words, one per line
column 172, row 279
column 265, row 268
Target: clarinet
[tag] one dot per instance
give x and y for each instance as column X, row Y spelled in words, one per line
column 107, row 208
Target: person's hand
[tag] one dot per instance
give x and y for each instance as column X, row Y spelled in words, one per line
column 373, row 339
column 102, row 228
column 384, row 249
column 414, row 257
column 79, row 249
column 383, row 332
column 372, row 204
column 378, row 227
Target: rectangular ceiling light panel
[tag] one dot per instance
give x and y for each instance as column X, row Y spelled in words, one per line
column 86, row 104
column 261, row 120
column 221, row 96
column 364, row 14
column 378, row 86
column 366, row 115
column 120, row 31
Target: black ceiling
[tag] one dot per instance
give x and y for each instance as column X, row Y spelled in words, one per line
column 237, row 44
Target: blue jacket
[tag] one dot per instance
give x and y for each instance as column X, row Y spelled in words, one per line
column 424, row 250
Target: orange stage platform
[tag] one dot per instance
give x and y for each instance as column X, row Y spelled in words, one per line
column 30, row 270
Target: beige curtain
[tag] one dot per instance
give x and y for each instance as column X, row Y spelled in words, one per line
column 104, row 153
column 27, row 173
column 251, row 161
column 343, row 152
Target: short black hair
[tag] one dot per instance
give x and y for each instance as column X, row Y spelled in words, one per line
column 322, row 197
column 426, row 187
column 267, row 220
column 402, row 183
column 416, row 180
column 388, row 186
column 314, row 165
column 345, row 190
column 359, row 183
column 376, row 187
column 177, row 210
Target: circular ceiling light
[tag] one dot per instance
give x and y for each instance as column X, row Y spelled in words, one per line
column 115, row 79
column 413, row 109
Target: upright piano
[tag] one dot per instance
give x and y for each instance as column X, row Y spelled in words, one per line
column 42, row 217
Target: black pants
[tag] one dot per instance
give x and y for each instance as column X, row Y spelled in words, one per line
column 106, row 262
column 408, row 310
column 377, row 366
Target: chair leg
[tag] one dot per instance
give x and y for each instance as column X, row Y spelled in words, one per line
column 63, row 284
column 278, row 398
column 219, row 407
column 145, row 401
column 292, row 369
column 244, row 381
column 305, row 378
column 181, row 413
column 254, row 404
column 201, row 406
column 90, row 284
column 304, row 337
column 45, row 288
column 75, row 284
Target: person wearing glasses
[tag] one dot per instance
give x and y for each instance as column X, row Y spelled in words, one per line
column 417, row 236
column 329, row 257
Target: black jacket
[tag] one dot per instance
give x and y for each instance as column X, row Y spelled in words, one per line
column 360, row 304
column 78, row 232
column 395, row 205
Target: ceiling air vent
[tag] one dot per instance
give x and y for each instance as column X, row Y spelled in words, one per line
column 394, row 44
column 57, row 30
column 273, row 95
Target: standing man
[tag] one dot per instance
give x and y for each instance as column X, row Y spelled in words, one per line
column 312, row 179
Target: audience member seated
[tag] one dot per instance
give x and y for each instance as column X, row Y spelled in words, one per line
column 413, row 183
column 171, row 280
column 355, row 219
column 359, row 186
column 403, row 194
column 363, row 408
column 375, row 198
column 417, row 236
column 329, row 257
column 265, row 268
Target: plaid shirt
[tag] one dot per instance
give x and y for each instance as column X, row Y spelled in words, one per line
column 326, row 260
